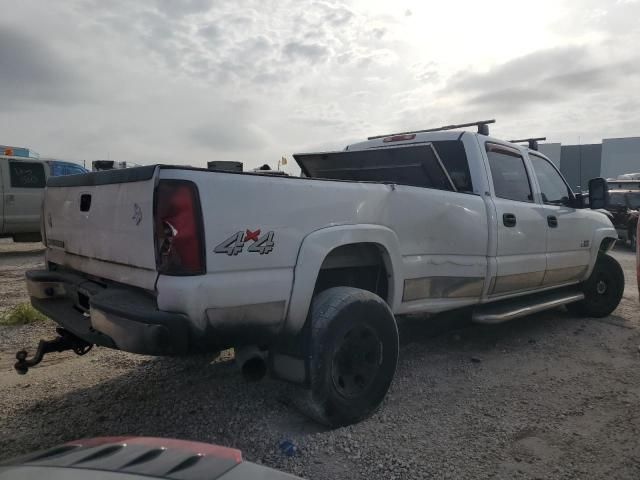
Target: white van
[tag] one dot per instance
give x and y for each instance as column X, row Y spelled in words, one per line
column 23, row 176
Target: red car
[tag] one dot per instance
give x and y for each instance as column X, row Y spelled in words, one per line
column 137, row 458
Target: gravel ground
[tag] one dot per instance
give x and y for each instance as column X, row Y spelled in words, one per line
column 15, row 258
column 549, row 396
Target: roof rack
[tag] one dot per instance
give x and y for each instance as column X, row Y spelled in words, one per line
column 483, row 129
column 533, row 142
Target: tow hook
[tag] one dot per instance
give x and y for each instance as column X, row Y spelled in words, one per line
column 64, row 341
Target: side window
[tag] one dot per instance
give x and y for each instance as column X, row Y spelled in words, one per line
column 57, row 169
column 510, row 179
column 74, row 170
column 27, row 175
column 553, row 188
column 454, row 159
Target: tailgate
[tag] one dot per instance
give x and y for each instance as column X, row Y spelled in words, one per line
column 105, row 216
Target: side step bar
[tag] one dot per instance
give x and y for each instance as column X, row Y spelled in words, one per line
column 521, row 307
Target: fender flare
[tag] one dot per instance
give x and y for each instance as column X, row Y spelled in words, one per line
column 314, row 249
column 599, row 235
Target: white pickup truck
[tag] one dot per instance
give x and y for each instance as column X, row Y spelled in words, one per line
column 304, row 276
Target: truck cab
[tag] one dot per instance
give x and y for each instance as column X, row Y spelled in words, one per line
column 539, row 235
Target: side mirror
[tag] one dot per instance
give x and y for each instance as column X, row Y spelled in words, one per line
column 598, row 193
column 577, row 201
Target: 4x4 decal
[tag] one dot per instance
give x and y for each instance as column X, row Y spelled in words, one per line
column 235, row 243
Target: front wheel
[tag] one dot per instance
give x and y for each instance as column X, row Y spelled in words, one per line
column 602, row 290
column 352, row 355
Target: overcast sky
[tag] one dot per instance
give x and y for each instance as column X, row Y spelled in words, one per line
column 168, row 81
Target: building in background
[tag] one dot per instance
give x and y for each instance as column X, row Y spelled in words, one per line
column 580, row 163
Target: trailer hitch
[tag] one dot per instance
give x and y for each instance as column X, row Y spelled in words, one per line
column 64, row 341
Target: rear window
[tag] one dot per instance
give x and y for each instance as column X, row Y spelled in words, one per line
column 27, row 174
column 416, row 166
column 454, row 159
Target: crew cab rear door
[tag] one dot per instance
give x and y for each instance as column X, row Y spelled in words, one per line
column 521, row 223
column 569, row 230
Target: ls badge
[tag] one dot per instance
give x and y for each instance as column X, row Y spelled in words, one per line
column 584, row 244
column 235, row 243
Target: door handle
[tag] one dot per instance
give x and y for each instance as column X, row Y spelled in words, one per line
column 552, row 221
column 509, row 219
column 10, row 199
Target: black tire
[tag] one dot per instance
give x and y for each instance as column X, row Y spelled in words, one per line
column 352, row 356
column 603, row 289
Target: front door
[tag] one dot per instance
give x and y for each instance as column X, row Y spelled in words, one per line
column 522, row 226
column 569, row 230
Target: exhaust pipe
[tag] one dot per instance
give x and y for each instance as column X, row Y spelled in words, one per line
column 252, row 362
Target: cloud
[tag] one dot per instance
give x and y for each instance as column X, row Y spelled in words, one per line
column 552, row 75
column 31, row 72
column 528, row 68
column 305, row 51
column 338, row 16
column 210, row 32
column 511, row 99
column 183, row 7
column 255, row 79
column 224, row 137
column 616, row 18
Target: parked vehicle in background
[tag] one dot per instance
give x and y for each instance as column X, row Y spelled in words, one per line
column 629, row 176
column 60, row 167
column 624, row 206
column 23, row 176
column 304, row 276
column 102, row 165
column 623, row 184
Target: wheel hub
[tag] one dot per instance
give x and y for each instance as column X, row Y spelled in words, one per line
column 356, row 361
column 601, row 287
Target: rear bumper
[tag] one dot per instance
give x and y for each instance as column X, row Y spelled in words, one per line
column 113, row 316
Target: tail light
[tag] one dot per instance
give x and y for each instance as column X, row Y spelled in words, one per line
column 179, row 235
